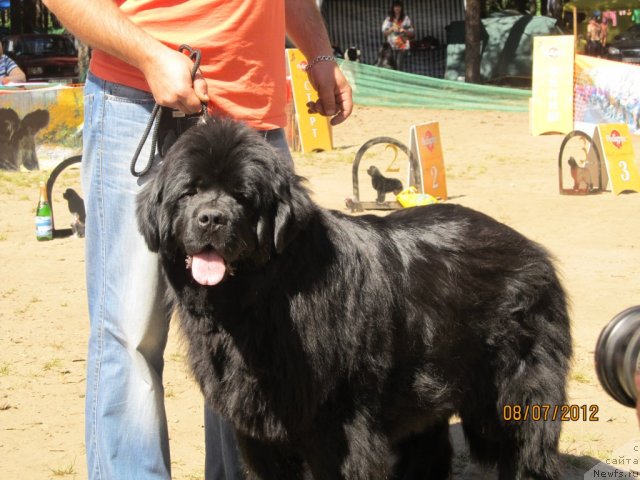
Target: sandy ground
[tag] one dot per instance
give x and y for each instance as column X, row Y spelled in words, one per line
column 492, row 164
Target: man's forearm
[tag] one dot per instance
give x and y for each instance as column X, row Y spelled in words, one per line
column 16, row 75
column 100, row 24
column 306, row 28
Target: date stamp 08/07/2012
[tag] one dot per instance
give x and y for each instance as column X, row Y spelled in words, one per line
column 546, row 412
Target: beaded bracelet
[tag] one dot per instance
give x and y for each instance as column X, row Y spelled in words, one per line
column 318, row 59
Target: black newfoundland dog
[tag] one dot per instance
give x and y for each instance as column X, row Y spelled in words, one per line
column 343, row 345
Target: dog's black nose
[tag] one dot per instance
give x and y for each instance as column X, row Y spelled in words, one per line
column 211, row 217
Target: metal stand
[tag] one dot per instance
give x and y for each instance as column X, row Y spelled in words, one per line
column 60, row 232
column 580, row 165
column 354, row 204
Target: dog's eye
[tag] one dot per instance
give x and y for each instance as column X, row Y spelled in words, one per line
column 190, row 192
column 243, row 198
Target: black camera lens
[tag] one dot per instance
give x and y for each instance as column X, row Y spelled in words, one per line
column 618, row 356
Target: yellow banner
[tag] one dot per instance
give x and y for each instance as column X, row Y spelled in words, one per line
column 614, row 141
column 551, row 105
column 314, row 129
column 426, row 145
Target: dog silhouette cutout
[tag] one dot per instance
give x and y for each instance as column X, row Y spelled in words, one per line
column 580, row 175
column 17, row 138
column 383, row 185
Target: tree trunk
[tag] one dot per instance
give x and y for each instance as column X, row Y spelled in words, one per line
column 472, row 51
column 29, row 16
column 16, row 16
column 84, row 55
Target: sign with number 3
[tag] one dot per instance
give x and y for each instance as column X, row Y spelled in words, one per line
column 614, row 141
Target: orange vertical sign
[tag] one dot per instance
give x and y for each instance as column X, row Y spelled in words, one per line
column 551, row 104
column 426, row 145
column 314, row 130
column 614, row 141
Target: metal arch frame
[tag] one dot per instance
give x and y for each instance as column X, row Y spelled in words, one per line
column 62, row 232
column 357, row 205
column 570, row 191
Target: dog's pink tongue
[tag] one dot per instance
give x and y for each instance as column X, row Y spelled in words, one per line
column 207, row 268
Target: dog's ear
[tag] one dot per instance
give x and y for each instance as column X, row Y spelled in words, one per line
column 285, row 228
column 148, row 207
column 293, row 212
column 35, row 121
column 9, row 123
column 264, row 232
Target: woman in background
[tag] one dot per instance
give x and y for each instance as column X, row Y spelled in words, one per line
column 398, row 30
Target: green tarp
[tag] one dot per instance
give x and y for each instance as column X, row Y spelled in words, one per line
column 375, row 86
column 507, row 46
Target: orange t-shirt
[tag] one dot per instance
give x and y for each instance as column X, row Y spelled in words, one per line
column 242, row 45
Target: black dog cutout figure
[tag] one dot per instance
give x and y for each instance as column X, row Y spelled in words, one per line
column 76, row 207
column 382, row 184
column 339, row 346
column 17, row 138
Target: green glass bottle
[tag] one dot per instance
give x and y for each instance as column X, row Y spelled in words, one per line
column 44, row 218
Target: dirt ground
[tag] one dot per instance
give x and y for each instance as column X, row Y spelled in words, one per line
column 492, row 164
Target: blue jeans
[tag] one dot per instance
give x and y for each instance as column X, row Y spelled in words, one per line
column 126, row 427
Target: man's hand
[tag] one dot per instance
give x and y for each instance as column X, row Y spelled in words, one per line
column 334, row 92
column 169, row 76
column 305, row 27
column 101, row 24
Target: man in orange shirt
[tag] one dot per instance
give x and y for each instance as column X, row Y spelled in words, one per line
column 135, row 64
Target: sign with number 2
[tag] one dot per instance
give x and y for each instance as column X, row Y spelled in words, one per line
column 426, row 145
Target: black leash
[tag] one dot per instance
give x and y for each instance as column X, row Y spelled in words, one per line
column 156, row 113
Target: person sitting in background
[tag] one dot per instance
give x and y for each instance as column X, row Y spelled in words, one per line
column 9, row 71
column 398, row 30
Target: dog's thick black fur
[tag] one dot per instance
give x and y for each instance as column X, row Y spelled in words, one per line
column 344, row 344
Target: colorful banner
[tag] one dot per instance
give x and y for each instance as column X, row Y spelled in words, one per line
column 313, row 129
column 606, row 92
column 551, row 107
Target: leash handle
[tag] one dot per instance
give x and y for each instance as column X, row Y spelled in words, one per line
column 195, row 55
column 154, row 121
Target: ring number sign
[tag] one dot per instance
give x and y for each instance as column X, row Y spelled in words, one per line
column 614, row 141
column 426, row 145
